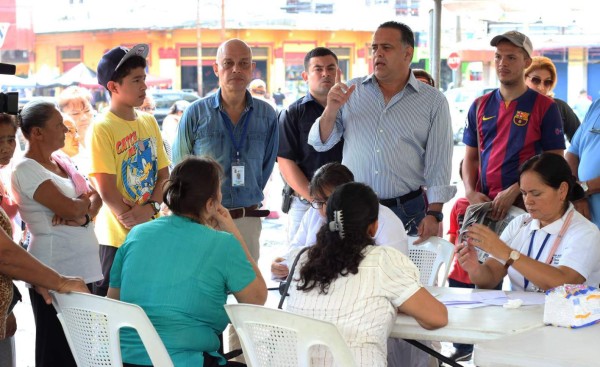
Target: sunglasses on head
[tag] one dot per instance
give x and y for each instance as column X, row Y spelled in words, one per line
column 537, row 81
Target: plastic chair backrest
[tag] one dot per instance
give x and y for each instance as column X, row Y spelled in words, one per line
column 272, row 337
column 91, row 324
column 429, row 257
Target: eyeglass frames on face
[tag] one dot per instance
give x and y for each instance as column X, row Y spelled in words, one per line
column 317, row 204
column 537, row 81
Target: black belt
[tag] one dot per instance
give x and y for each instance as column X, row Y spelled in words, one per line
column 401, row 199
column 295, row 194
column 250, row 211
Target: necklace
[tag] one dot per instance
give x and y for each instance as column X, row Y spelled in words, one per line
column 139, row 142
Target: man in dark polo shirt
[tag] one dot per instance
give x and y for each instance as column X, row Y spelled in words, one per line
column 296, row 158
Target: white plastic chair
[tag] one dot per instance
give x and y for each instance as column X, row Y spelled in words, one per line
column 429, row 257
column 91, row 324
column 276, row 338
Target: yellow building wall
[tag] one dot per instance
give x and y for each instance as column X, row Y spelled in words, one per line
column 165, row 43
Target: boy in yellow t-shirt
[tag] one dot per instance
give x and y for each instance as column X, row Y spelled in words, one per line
column 129, row 164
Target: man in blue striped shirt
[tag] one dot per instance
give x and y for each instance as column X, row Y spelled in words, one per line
column 238, row 131
column 397, row 132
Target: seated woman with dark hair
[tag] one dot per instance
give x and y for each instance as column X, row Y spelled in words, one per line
column 346, row 280
column 549, row 246
column 390, row 231
column 179, row 269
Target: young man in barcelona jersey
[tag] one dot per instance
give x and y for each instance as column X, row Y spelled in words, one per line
column 506, row 127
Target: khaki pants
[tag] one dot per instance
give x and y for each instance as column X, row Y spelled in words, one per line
column 250, row 228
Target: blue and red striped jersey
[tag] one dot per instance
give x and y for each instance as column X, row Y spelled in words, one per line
column 510, row 134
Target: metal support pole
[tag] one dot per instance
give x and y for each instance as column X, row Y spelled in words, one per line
column 436, row 44
column 199, row 49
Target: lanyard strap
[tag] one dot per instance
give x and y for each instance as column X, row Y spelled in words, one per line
column 560, row 236
column 557, row 240
column 228, row 124
column 526, row 281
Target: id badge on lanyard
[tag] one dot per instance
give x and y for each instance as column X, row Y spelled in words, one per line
column 238, row 167
column 238, row 170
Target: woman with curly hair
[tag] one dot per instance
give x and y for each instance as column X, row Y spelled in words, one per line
column 347, row 280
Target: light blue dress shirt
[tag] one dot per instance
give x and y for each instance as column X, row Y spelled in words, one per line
column 396, row 147
column 202, row 131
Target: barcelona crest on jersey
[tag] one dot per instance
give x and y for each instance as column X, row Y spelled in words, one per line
column 521, row 118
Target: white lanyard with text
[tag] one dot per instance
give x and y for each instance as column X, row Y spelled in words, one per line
column 237, row 166
column 559, row 237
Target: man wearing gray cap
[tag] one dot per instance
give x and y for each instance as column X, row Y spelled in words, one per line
column 505, row 128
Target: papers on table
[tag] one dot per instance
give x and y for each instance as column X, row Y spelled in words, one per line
column 489, row 298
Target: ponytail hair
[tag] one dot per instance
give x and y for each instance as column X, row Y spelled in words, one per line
column 341, row 241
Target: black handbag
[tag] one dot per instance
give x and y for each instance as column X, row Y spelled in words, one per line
column 16, row 298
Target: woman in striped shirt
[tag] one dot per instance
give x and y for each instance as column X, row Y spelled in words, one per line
column 347, row 280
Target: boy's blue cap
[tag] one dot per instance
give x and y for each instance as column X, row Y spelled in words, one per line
column 110, row 62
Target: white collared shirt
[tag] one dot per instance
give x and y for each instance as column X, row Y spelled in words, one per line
column 579, row 249
column 390, row 232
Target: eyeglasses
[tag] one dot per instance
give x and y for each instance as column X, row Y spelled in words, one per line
column 318, row 204
column 537, row 81
column 148, row 109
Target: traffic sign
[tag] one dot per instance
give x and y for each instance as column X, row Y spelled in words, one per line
column 453, row 61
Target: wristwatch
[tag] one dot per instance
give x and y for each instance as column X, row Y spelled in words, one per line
column 155, row 205
column 439, row 216
column 514, row 256
column 585, row 187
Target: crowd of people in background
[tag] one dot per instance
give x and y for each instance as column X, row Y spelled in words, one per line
column 97, row 196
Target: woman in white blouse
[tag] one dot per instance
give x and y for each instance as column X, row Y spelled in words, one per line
column 551, row 245
column 58, row 205
column 347, row 280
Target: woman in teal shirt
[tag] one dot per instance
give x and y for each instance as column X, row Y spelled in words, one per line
column 180, row 268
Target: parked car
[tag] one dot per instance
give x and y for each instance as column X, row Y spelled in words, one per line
column 165, row 98
column 460, row 100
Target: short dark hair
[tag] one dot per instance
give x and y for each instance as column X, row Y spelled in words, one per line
column 192, row 182
column 318, row 52
column 35, row 114
column 406, row 34
column 330, row 175
column 420, row 73
column 6, row 119
column 125, row 69
column 553, row 170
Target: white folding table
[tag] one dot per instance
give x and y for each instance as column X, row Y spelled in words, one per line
column 547, row 346
column 472, row 325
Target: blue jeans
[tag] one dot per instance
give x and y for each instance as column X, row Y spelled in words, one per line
column 411, row 213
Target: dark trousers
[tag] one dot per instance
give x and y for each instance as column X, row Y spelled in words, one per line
column 107, row 257
column 467, row 348
column 51, row 346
